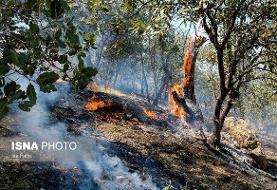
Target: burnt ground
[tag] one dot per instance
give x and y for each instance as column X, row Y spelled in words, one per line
column 169, row 157
column 188, row 162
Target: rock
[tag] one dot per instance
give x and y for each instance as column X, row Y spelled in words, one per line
column 240, row 131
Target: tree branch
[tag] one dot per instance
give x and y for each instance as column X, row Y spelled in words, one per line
column 232, row 24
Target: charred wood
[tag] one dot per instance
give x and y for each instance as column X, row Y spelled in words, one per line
column 133, row 109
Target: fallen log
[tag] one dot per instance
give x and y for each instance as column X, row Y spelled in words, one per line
column 144, row 112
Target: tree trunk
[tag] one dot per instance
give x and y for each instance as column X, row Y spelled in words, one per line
column 156, row 81
column 187, row 99
column 159, row 93
column 218, row 122
column 189, row 67
column 216, row 136
column 141, row 87
column 188, row 88
column 146, row 84
column 166, row 79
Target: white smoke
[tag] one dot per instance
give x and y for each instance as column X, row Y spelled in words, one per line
column 102, row 171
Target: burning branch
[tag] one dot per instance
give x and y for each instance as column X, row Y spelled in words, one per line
column 174, row 107
column 94, row 104
column 149, row 113
column 178, row 93
column 129, row 109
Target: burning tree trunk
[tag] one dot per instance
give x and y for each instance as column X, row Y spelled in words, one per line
column 189, row 67
column 145, row 113
column 182, row 96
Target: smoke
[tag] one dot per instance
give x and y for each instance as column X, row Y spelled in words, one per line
column 100, row 170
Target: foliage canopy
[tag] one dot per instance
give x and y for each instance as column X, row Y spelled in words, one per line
column 42, row 41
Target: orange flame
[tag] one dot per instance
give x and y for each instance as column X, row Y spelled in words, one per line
column 149, row 113
column 94, row 104
column 175, row 108
column 188, row 58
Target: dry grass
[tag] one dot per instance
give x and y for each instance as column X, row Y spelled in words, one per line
column 95, row 88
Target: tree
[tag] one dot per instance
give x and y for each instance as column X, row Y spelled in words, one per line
column 40, row 40
column 242, row 32
column 132, row 42
column 237, row 29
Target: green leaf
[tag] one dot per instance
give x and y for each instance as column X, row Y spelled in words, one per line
column 104, row 7
column 61, row 44
column 10, row 56
column 62, row 59
column 24, row 61
column 46, row 88
column 3, row 106
column 47, row 40
column 58, row 34
column 34, row 28
column 25, row 106
column 138, row 26
column 19, row 94
column 72, row 52
column 10, row 89
column 89, row 71
column 30, row 70
column 47, row 77
column 36, row 45
column 65, row 67
column 4, row 68
column 2, row 81
column 71, row 37
column 83, row 82
column 31, row 93
column 90, row 38
column 56, row 9
column 81, row 63
column 45, row 81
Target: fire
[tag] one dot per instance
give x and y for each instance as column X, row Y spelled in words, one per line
column 188, row 58
column 175, row 109
column 94, row 104
column 149, row 113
